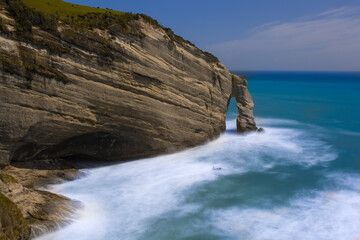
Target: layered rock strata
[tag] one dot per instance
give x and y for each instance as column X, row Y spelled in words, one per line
column 110, row 95
column 27, row 211
column 245, row 120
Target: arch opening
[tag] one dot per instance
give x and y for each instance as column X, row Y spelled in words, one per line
column 240, row 106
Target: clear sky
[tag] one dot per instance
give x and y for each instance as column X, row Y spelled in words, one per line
column 261, row 34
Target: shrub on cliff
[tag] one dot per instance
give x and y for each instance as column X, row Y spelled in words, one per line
column 26, row 17
column 3, row 27
column 103, row 21
column 48, row 15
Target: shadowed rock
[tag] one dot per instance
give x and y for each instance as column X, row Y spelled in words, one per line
column 110, row 95
column 116, row 94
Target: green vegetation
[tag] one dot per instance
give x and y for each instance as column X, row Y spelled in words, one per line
column 6, row 178
column 29, row 64
column 102, row 21
column 48, row 14
column 73, row 13
column 54, row 46
column 33, row 64
column 26, row 17
column 210, row 56
column 89, row 41
column 12, row 222
column 176, row 38
column 64, row 10
column 3, row 27
column 10, row 64
column 37, row 12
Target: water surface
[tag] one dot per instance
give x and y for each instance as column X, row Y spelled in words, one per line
column 298, row 180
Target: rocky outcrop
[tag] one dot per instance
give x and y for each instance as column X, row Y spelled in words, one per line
column 245, row 120
column 24, row 206
column 12, row 223
column 109, row 94
column 116, row 89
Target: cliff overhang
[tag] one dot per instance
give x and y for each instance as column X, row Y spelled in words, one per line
column 100, row 85
column 104, row 92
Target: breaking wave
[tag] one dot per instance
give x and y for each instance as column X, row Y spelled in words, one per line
column 170, row 196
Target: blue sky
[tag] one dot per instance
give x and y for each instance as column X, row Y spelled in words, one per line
column 261, row 34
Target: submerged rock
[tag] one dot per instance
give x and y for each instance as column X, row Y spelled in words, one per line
column 216, row 168
column 260, row 130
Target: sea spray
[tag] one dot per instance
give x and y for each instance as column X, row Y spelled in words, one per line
column 299, row 179
column 144, row 198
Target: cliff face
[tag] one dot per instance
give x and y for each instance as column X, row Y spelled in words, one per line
column 109, row 94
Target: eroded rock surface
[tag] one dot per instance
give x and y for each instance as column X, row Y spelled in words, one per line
column 114, row 94
column 12, row 223
column 23, row 206
column 109, row 95
column 245, row 121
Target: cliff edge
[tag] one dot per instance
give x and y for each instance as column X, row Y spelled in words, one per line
column 86, row 83
column 120, row 88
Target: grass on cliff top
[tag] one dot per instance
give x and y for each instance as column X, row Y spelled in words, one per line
column 79, row 16
column 63, row 9
column 46, row 13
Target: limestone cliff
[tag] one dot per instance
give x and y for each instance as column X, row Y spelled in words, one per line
column 109, row 94
column 99, row 85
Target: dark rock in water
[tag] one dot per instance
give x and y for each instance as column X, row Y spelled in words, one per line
column 260, row 130
column 217, row 168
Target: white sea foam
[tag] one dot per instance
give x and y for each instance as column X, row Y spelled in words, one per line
column 275, row 146
column 121, row 200
column 276, row 121
column 332, row 214
column 125, row 195
column 351, row 133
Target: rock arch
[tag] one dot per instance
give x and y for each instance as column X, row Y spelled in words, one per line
column 245, row 121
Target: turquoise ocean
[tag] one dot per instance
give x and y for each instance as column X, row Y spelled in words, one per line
column 299, row 179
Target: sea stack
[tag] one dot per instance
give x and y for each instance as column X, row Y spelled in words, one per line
column 245, row 121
